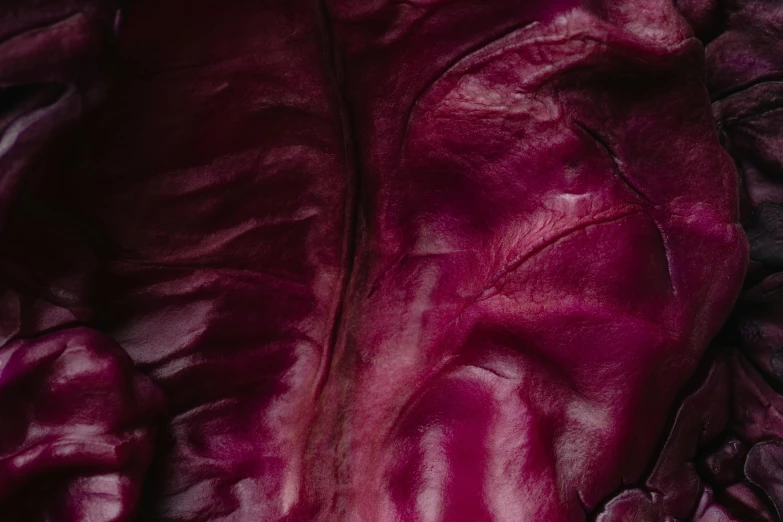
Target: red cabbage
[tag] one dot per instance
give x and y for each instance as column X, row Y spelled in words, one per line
column 367, row 261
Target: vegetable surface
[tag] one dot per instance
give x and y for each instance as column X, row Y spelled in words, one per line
column 292, row 260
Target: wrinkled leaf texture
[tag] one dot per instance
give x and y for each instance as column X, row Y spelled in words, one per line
column 342, row 260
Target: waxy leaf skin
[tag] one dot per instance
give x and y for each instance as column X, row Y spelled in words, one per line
column 391, row 261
